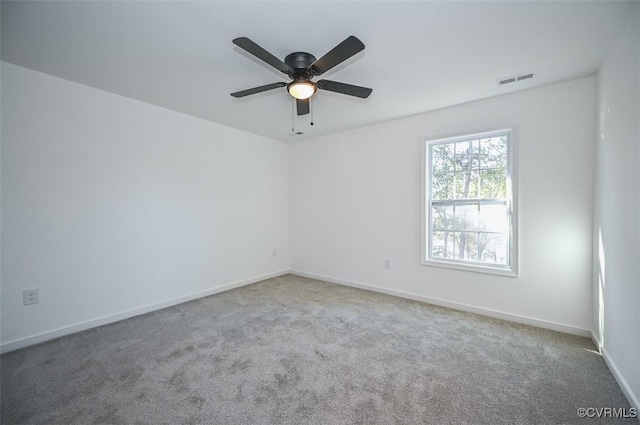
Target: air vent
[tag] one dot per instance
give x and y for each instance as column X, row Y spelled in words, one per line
column 508, row 80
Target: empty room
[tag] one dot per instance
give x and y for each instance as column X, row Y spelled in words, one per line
column 354, row 212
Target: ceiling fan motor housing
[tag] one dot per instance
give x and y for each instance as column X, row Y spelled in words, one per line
column 300, row 63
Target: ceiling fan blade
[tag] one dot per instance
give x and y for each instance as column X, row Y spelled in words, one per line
column 343, row 51
column 348, row 89
column 302, row 106
column 259, row 89
column 260, row 53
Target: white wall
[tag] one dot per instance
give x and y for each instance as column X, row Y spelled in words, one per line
column 355, row 199
column 111, row 205
column 617, row 232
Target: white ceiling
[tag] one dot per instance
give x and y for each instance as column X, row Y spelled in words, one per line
column 419, row 56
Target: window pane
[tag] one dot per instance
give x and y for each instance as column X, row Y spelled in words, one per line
column 474, row 181
column 493, row 248
column 466, row 216
column 465, row 246
column 493, row 184
column 442, row 217
column 471, row 246
column 442, row 186
column 442, row 158
column 442, row 244
column 493, row 218
column 466, row 156
column 456, row 245
column 493, row 152
column 466, row 184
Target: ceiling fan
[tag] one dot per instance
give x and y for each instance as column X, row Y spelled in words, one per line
column 301, row 67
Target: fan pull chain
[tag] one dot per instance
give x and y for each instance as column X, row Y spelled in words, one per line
column 311, row 108
column 293, row 114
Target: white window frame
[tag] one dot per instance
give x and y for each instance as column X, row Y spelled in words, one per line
column 512, row 268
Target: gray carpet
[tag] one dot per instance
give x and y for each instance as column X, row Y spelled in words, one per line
column 298, row 351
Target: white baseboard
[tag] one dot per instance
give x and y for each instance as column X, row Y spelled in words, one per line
column 56, row 333
column 453, row 305
column 624, row 385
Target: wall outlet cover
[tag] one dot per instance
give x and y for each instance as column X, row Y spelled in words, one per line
column 30, row 296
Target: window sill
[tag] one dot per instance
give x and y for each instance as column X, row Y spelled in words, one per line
column 470, row 267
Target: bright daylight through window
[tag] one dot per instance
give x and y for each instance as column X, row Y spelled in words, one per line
column 469, row 210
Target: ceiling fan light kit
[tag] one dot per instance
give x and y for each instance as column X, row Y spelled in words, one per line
column 302, row 89
column 301, row 67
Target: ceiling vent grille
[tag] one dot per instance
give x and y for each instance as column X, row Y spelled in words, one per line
column 525, row 76
column 515, row 78
column 507, row 80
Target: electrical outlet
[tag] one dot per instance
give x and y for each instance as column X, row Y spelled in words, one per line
column 31, row 296
column 387, row 263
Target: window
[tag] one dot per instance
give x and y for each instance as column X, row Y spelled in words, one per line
column 469, row 208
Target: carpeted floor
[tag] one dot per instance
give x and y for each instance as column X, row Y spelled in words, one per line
column 292, row 350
